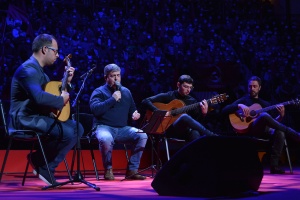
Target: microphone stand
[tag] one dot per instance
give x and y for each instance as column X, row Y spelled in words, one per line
column 78, row 176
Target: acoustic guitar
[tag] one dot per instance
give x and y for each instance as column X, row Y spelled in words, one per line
column 241, row 123
column 177, row 107
column 55, row 88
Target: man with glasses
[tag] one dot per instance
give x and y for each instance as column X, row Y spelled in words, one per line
column 31, row 108
column 53, row 49
column 186, row 126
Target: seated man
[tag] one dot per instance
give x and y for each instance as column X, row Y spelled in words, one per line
column 111, row 105
column 185, row 125
column 32, row 106
column 263, row 125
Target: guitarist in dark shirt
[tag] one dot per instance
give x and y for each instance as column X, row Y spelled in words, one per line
column 185, row 125
column 245, row 118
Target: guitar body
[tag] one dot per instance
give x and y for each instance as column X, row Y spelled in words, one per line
column 174, row 104
column 54, row 87
column 177, row 108
column 241, row 123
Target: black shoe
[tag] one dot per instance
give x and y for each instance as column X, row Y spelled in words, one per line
column 132, row 174
column 40, row 171
column 276, row 170
column 43, row 174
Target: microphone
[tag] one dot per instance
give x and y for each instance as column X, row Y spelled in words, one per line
column 88, row 73
column 118, row 85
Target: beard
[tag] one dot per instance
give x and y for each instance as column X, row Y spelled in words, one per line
column 253, row 94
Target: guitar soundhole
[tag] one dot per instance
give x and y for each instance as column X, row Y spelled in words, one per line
column 253, row 113
column 173, row 111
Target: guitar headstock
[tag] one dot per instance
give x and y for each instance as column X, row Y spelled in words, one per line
column 219, row 98
column 66, row 73
column 67, row 60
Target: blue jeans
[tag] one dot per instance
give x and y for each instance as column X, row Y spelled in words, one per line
column 108, row 136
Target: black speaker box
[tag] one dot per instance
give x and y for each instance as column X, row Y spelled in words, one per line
column 211, row 166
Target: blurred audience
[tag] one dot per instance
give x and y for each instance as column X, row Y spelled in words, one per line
column 155, row 41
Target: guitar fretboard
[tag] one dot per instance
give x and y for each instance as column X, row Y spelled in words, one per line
column 214, row 100
column 184, row 109
column 274, row 106
column 189, row 108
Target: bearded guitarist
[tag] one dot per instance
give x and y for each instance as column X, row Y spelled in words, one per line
column 246, row 119
column 182, row 126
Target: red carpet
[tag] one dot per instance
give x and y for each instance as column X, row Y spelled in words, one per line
column 273, row 187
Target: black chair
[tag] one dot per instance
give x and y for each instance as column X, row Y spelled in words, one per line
column 26, row 136
column 153, row 125
column 264, row 147
column 171, row 140
column 87, row 121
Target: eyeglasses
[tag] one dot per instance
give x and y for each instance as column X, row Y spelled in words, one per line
column 54, row 50
column 188, row 87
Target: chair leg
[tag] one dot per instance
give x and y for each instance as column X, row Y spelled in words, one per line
column 152, row 166
column 126, row 153
column 93, row 160
column 45, row 158
column 94, row 164
column 67, row 168
column 5, row 158
column 27, row 165
column 73, row 160
column 167, row 148
column 288, row 156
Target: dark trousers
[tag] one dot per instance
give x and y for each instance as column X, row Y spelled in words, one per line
column 266, row 127
column 61, row 137
column 187, row 128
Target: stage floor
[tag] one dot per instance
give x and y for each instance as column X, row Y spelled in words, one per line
column 273, row 187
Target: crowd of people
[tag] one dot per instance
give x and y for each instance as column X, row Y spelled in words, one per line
column 150, row 44
column 155, row 41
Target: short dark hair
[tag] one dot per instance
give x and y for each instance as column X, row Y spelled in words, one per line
column 185, row 78
column 42, row 40
column 111, row 68
column 255, row 78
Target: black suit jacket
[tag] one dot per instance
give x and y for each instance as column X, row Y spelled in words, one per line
column 30, row 104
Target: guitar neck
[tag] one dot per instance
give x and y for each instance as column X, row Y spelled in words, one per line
column 64, row 81
column 184, row 109
column 66, row 74
column 187, row 108
column 273, row 107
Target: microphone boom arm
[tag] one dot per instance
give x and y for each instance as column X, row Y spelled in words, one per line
column 88, row 73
